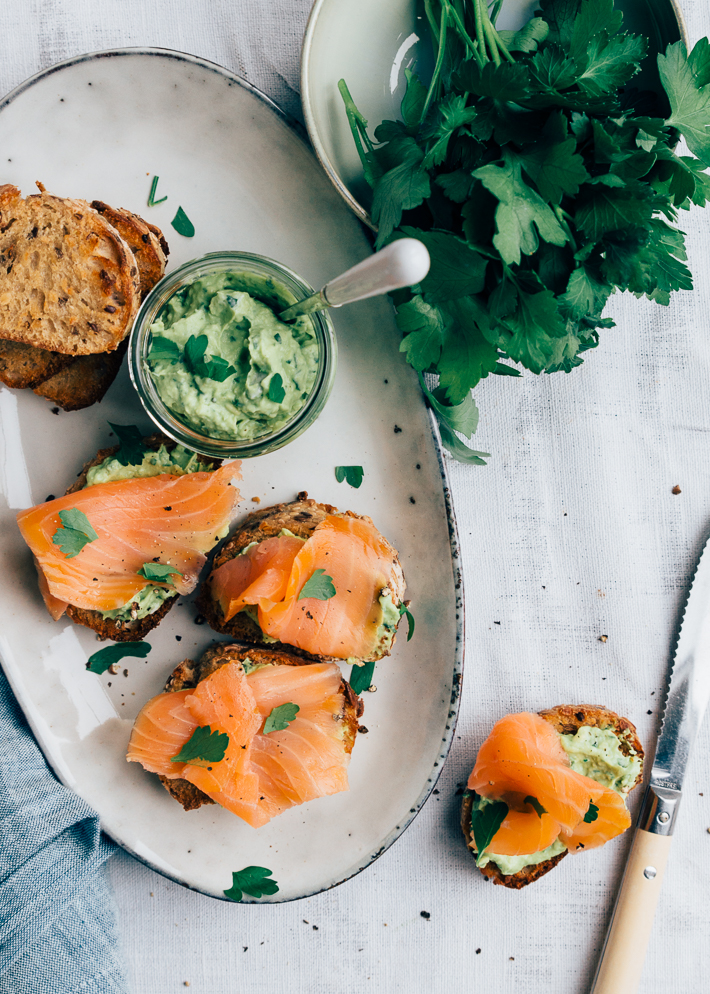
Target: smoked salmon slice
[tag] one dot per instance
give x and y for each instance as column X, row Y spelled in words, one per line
column 523, row 758
column 172, row 520
column 261, row 774
column 272, row 574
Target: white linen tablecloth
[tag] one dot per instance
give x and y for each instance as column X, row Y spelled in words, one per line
column 570, row 533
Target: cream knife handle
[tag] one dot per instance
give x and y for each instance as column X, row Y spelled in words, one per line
column 624, row 951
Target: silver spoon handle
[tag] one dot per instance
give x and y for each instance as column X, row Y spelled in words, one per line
column 400, row 264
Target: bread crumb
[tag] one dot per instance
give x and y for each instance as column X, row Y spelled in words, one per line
column 114, row 668
column 676, row 489
column 603, row 638
column 256, row 500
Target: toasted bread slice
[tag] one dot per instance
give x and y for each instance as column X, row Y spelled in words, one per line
column 301, row 517
column 85, row 381
column 24, row 366
column 188, row 674
column 115, row 629
column 567, row 720
column 69, row 283
column 145, row 241
column 88, row 378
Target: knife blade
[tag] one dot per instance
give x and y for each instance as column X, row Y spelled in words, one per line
column 624, row 951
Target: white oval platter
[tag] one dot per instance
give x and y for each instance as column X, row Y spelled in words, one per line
column 99, row 127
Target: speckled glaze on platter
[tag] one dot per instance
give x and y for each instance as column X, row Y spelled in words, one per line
column 248, row 181
column 369, row 44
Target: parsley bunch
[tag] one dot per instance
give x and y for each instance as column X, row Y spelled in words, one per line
column 540, row 182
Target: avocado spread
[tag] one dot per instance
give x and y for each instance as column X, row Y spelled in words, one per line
column 595, row 753
column 178, row 462
column 222, row 361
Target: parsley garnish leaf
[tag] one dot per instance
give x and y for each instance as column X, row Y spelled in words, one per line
column 131, row 449
column 403, row 609
column 486, row 819
column 319, row 586
column 351, row 474
column 163, row 350
column 276, row 391
column 281, row 717
column 533, row 801
column 214, row 368
column 252, row 880
column 592, row 813
column 203, row 747
column 182, row 224
column 100, row 661
column 361, row 676
column 74, row 532
column 158, row 571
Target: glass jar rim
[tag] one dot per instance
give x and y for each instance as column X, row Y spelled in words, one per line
column 252, row 264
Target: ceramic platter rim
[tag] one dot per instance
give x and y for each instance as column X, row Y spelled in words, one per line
column 456, row 670
column 310, row 117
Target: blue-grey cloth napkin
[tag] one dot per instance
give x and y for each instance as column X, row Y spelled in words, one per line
column 58, row 931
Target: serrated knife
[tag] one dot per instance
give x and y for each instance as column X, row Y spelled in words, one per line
column 624, row 952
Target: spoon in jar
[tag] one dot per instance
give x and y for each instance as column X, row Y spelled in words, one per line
column 400, row 264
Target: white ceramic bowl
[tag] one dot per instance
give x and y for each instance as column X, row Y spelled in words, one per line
column 369, row 44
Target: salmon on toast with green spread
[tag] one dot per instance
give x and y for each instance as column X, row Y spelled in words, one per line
column 133, row 533
column 256, row 731
column 308, row 576
column 549, row 784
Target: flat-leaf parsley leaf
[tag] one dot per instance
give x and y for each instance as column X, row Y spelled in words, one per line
column 486, row 819
column 100, row 661
column 320, row 586
column 203, row 747
column 403, row 609
column 252, row 880
column 350, row 474
column 74, row 533
column 159, row 571
column 132, row 448
column 361, row 676
column 182, row 224
column 592, row 813
column 281, row 717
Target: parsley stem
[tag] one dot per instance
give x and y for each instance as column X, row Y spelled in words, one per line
column 433, row 86
column 478, row 17
column 463, row 32
column 502, row 46
column 358, row 127
column 433, row 26
column 491, row 39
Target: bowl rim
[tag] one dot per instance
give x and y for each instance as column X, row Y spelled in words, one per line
column 309, row 116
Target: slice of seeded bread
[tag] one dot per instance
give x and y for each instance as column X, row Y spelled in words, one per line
column 85, row 381
column 107, row 628
column 300, row 516
column 88, row 378
column 24, row 366
column 567, row 720
column 189, row 673
column 68, row 282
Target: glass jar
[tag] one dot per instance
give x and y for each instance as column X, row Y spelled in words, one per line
column 271, row 283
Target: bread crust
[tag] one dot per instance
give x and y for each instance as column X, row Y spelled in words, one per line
column 85, row 381
column 68, row 281
column 301, row 516
column 566, row 719
column 136, row 629
column 147, row 243
column 189, row 673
